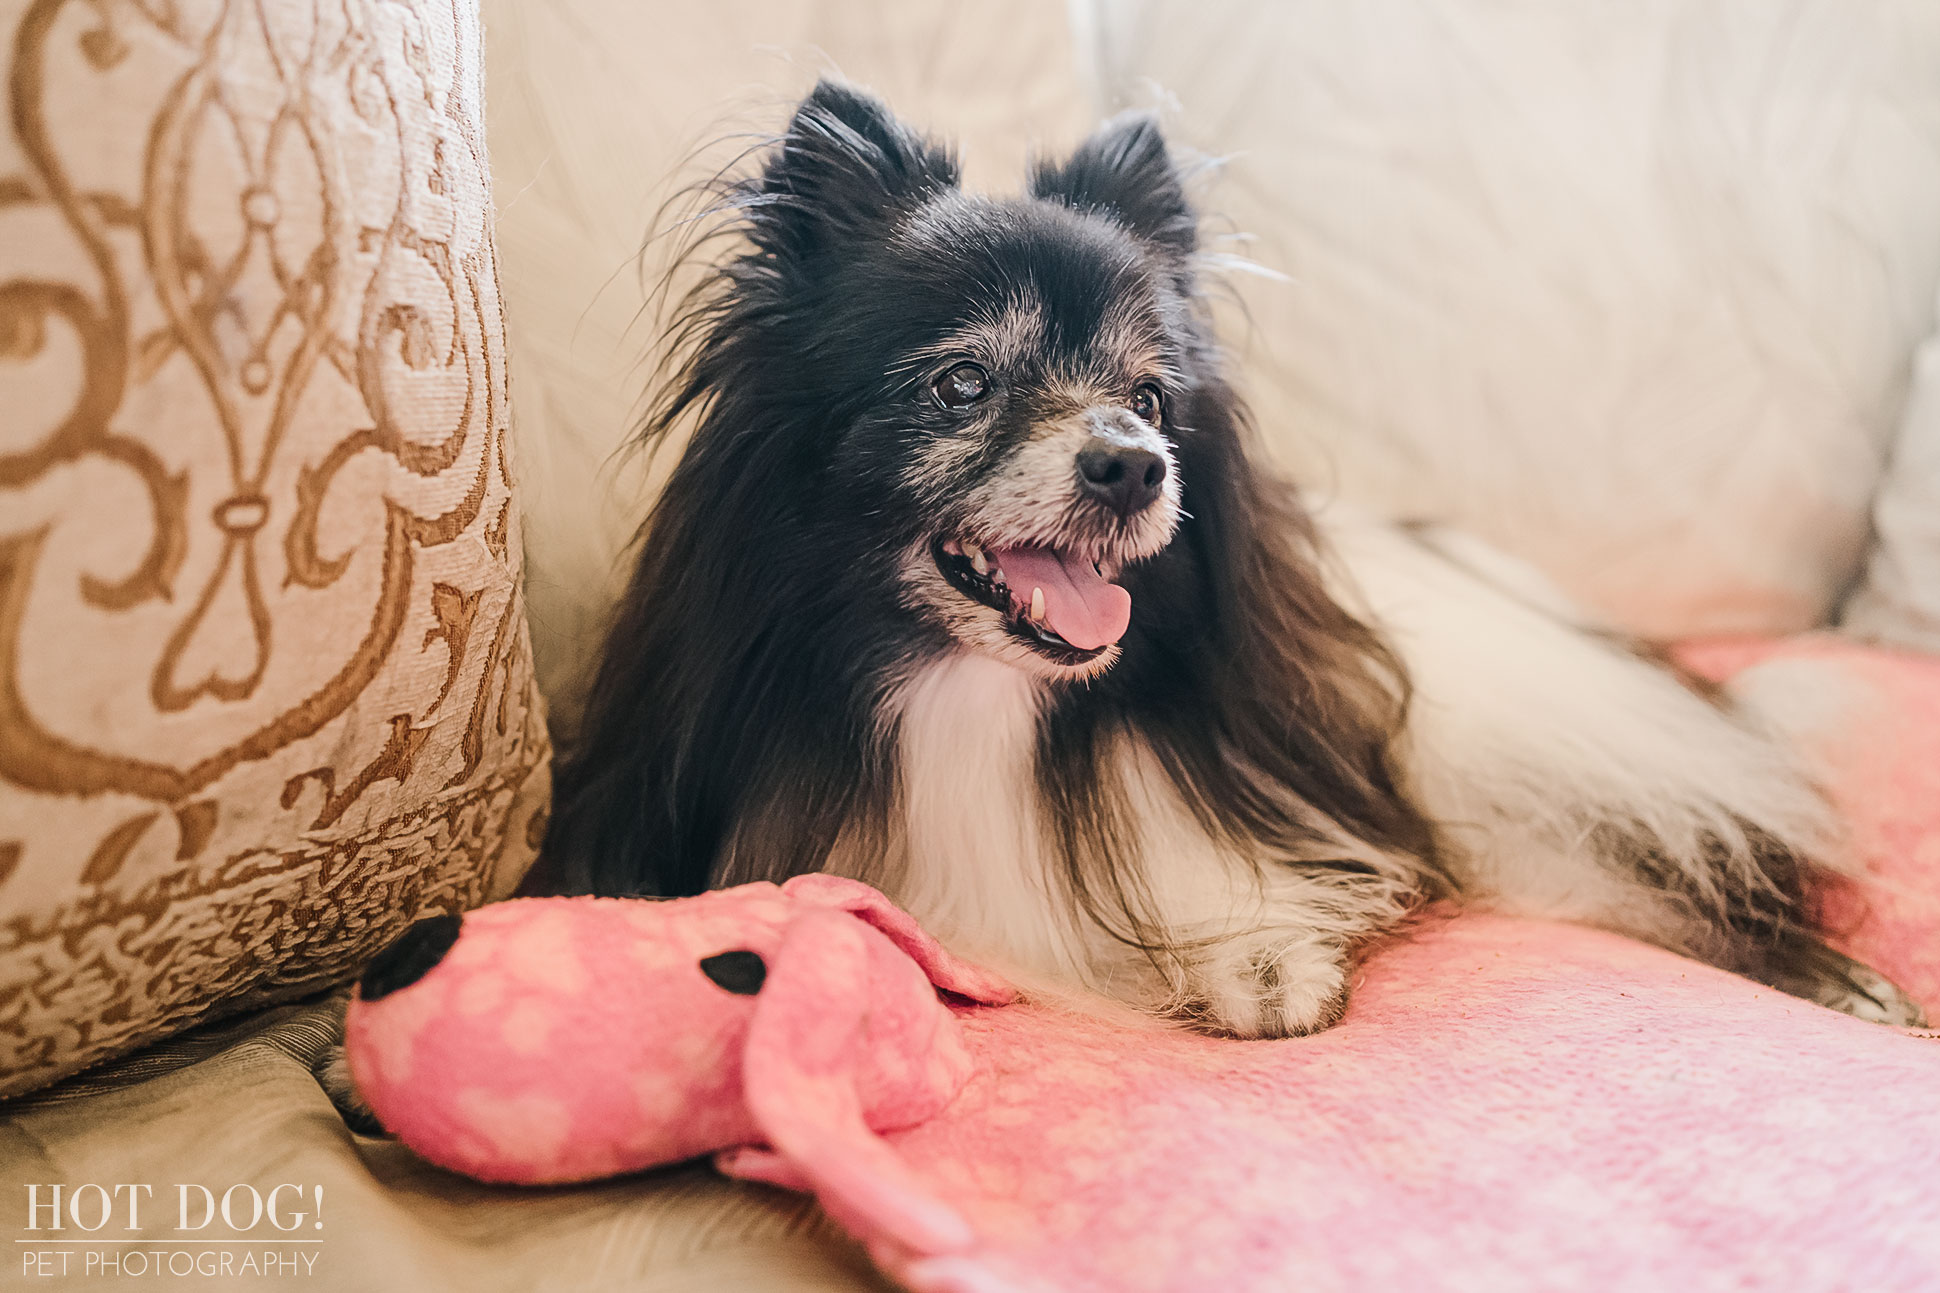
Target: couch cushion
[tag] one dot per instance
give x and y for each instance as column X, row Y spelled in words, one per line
column 1630, row 290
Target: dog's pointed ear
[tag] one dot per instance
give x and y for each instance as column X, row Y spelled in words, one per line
column 1125, row 171
column 847, row 166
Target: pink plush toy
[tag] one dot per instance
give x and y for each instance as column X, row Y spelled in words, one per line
column 778, row 1027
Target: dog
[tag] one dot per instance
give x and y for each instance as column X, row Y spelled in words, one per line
column 966, row 584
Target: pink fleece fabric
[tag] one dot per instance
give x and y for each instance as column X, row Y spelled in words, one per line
column 1508, row 1104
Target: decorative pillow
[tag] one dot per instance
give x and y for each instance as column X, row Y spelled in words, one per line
column 1630, row 290
column 1899, row 602
column 265, row 688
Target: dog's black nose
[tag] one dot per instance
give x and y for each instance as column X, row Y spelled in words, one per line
column 409, row 958
column 1122, row 476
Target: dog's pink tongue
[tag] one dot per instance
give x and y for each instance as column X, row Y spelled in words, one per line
column 1080, row 605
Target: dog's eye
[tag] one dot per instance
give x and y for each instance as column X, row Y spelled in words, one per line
column 741, row 973
column 1148, row 404
column 962, row 386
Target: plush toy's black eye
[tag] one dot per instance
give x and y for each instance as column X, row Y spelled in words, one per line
column 962, row 386
column 1148, row 404
column 741, row 973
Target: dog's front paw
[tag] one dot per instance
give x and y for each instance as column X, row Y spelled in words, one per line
column 1260, row 985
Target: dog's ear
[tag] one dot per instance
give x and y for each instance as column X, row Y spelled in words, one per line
column 846, row 166
column 1124, row 171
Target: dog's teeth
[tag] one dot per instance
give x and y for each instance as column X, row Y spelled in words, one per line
column 1037, row 605
column 952, row 547
column 978, row 562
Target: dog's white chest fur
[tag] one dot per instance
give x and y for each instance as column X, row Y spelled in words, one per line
column 975, row 868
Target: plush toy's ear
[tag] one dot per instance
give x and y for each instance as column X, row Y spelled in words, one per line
column 845, row 166
column 1125, row 172
column 946, row 971
column 799, row 1072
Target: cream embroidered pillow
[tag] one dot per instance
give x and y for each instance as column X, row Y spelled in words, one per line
column 265, row 689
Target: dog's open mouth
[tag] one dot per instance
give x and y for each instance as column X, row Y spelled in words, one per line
column 1063, row 606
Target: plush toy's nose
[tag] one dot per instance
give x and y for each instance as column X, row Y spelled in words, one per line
column 410, row 957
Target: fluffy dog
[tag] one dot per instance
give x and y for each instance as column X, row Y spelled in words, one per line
column 965, row 585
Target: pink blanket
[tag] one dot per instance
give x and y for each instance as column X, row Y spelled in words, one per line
column 1508, row 1104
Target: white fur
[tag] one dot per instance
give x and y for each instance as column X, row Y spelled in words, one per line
column 973, row 864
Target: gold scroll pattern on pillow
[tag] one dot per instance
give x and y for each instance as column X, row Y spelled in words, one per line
column 265, row 686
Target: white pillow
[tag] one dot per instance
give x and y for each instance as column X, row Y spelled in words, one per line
column 1630, row 289
column 1899, row 602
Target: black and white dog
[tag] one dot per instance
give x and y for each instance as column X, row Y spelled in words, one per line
column 965, row 585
